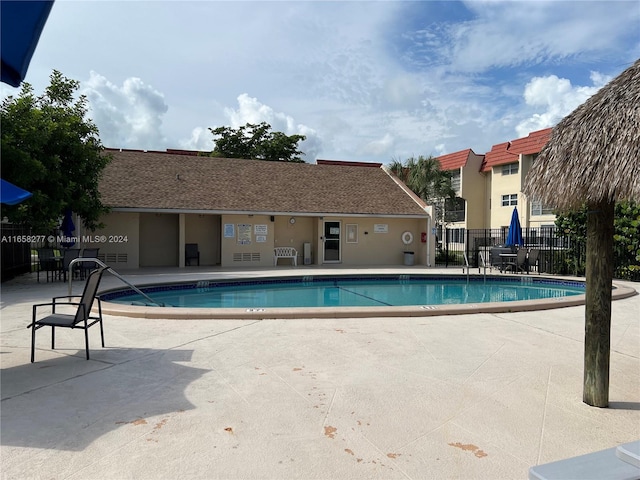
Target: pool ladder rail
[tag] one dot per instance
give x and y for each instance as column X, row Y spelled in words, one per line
column 468, row 268
column 115, row 274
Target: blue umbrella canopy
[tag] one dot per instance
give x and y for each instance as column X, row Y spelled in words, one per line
column 12, row 195
column 514, row 237
column 22, row 24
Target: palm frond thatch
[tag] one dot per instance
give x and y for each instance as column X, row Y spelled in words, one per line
column 593, row 153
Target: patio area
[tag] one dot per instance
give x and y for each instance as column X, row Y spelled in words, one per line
column 462, row 397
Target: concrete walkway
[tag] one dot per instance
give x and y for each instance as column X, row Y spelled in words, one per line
column 471, row 396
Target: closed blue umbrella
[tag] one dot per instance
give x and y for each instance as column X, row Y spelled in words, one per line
column 67, row 228
column 12, row 195
column 514, row 236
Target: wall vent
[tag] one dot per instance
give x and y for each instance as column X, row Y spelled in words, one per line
column 111, row 258
column 246, row 257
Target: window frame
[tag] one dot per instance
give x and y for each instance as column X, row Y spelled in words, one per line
column 510, row 200
column 511, row 169
column 538, row 209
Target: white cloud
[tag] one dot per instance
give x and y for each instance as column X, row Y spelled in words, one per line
column 129, row 116
column 379, row 147
column 364, row 81
column 250, row 110
column 508, row 34
column 554, row 98
column 201, row 139
column 403, row 91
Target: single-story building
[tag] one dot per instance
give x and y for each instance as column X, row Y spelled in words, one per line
column 237, row 211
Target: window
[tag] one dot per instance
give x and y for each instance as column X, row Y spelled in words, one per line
column 454, row 209
column 510, row 169
column 455, row 235
column 510, row 200
column 537, row 208
column 455, row 181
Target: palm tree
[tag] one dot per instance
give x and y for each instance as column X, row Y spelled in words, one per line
column 425, row 178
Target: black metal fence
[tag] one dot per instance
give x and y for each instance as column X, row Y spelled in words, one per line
column 558, row 253
column 15, row 250
column 19, row 246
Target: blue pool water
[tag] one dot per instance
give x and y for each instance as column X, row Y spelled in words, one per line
column 344, row 291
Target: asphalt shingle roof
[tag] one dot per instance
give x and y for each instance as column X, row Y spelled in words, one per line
column 159, row 180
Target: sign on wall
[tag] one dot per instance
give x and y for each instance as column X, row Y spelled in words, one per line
column 380, row 228
column 244, row 234
column 229, row 230
column 260, row 229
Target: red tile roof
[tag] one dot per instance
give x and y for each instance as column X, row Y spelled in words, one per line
column 532, row 143
column 454, row 161
column 508, row 152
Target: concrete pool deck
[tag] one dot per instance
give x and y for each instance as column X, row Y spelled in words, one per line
column 482, row 395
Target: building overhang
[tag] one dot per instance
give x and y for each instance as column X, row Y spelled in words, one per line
column 263, row 212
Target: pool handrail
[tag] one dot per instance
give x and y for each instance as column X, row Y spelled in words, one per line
column 113, row 272
column 484, row 264
column 467, row 267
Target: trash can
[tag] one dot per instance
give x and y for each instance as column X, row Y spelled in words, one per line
column 408, row 258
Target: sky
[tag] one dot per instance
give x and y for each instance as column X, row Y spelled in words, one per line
column 369, row 81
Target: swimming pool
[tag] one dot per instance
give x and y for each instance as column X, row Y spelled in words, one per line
column 346, row 295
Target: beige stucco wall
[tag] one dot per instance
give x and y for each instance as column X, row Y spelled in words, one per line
column 118, row 241
column 526, row 218
column 204, row 230
column 374, row 248
column 296, row 234
column 473, row 183
column 159, row 239
column 154, row 239
column 504, row 185
column 257, row 249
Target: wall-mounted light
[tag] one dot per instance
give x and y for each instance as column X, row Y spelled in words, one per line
column 292, row 220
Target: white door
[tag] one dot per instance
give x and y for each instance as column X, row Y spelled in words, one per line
column 331, row 240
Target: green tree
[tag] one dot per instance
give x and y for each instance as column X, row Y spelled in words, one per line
column 256, row 141
column 626, row 239
column 50, row 149
column 573, row 226
column 425, row 178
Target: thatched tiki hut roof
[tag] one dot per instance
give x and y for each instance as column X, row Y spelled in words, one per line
column 593, row 153
column 593, row 158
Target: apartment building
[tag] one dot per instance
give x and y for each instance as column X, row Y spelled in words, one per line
column 491, row 185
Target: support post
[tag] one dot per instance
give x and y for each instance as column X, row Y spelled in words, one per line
column 599, row 272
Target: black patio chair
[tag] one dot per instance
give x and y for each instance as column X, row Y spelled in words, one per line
column 520, row 262
column 191, row 253
column 534, row 253
column 86, row 267
column 48, row 263
column 69, row 255
column 81, row 319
